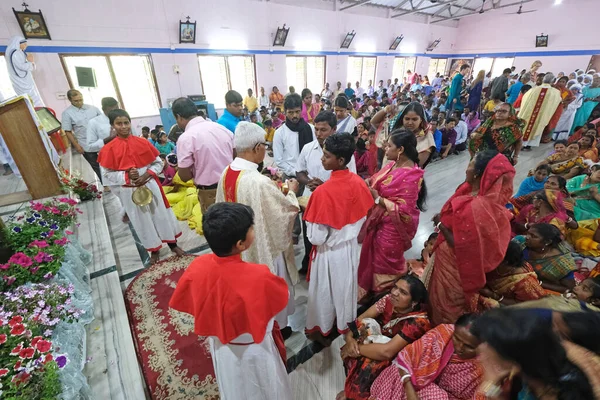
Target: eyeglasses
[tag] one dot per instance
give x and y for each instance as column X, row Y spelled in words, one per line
column 501, row 111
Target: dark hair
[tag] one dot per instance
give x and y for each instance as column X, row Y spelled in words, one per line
column 590, row 126
column 185, row 108
column 592, row 137
column 154, row 132
column 526, row 338
column 418, row 292
column 464, row 66
column 341, row 145
column 361, row 145
column 293, row 100
column 305, row 92
column 232, row 97
column 327, row 116
column 433, row 236
column 145, row 129
column 416, row 107
column 562, row 182
column 564, row 77
column 71, row 93
column 574, row 144
column 253, row 115
column 466, row 320
column 114, row 114
column 268, row 122
column 544, row 167
column 507, row 71
column 341, row 101
column 562, row 141
column 109, row 102
column 224, row 224
column 584, row 327
column 451, row 119
column 406, row 139
column 514, row 255
column 525, row 89
column 482, row 159
column 549, row 233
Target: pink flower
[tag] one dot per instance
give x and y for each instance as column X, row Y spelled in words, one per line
column 17, row 330
column 50, row 234
column 21, row 259
column 54, row 210
column 68, row 232
column 43, row 346
column 10, row 280
column 61, row 242
column 4, row 266
column 18, row 363
column 37, row 206
column 27, row 353
column 35, row 340
column 3, row 372
column 17, row 319
column 43, row 257
column 16, row 350
column 34, row 269
column 39, row 243
column 3, row 338
column 47, row 358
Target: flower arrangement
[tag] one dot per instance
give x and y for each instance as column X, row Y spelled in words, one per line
column 81, row 188
column 28, row 367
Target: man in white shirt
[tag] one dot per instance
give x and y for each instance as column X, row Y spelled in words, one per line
column 263, row 100
column 380, row 89
column 359, row 91
column 75, row 119
column 338, row 90
column 462, row 131
column 326, row 93
column 99, row 132
column 437, row 81
column 370, row 89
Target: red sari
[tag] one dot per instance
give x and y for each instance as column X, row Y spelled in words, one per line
column 481, row 227
column 387, row 233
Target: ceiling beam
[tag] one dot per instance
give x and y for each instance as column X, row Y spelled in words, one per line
column 357, row 4
column 485, row 10
column 398, row 7
column 417, row 10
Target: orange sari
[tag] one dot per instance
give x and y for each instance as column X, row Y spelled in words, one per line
column 521, row 287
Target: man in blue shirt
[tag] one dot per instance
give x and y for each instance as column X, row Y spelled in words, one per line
column 456, row 87
column 349, row 92
column 513, row 92
column 233, row 110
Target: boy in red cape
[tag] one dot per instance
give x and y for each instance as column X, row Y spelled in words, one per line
column 234, row 303
column 128, row 162
column 334, row 216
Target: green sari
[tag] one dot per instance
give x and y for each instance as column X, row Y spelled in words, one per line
column 585, row 205
column 552, row 268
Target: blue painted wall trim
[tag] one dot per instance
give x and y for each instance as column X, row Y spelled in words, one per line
column 146, row 50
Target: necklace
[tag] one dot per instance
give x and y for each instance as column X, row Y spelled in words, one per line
column 404, row 164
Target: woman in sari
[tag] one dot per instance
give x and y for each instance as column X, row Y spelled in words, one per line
column 309, row 109
column 475, row 92
column 473, row 121
column 535, row 182
column 584, row 189
column 543, row 248
column 567, row 164
column 524, row 342
column 502, row 132
column 565, row 123
column 474, row 234
column 441, row 365
column 587, row 148
column 388, row 326
column 591, row 98
column 393, row 221
column 567, row 98
column 547, row 208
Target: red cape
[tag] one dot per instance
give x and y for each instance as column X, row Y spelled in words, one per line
column 344, row 199
column 122, row 154
column 229, row 297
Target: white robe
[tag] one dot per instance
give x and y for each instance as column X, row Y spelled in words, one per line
column 565, row 123
column 20, row 71
column 154, row 224
column 252, row 371
column 274, row 216
column 333, row 286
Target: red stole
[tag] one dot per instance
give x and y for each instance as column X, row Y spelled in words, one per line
column 229, row 297
column 122, row 154
column 230, row 182
column 535, row 113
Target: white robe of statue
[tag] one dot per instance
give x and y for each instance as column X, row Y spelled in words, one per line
column 20, row 71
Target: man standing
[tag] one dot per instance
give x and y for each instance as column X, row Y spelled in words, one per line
column 370, row 89
column 326, row 93
column 359, row 91
column 380, row 89
column 274, row 210
column 251, row 102
column 232, row 114
column 513, row 92
column 437, row 82
column 75, row 119
column 203, row 151
column 500, row 85
column 456, row 88
column 99, row 133
column 263, row 100
column 537, row 108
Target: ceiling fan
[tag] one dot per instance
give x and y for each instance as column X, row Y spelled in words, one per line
column 482, row 4
column 521, row 10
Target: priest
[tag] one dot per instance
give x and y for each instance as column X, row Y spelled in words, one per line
column 275, row 209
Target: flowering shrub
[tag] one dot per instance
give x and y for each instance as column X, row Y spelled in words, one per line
column 84, row 190
column 60, row 211
column 28, row 367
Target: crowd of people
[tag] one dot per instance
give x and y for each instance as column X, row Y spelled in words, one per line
column 505, row 299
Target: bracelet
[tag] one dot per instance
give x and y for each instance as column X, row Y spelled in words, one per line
column 569, row 220
column 438, row 225
column 405, row 378
column 500, row 299
column 490, row 389
column 526, row 225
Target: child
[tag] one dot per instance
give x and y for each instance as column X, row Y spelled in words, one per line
column 535, row 182
column 163, row 145
column 146, row 132
column 277, row 122
column 448, row 137
column 153, row 137
column 269, row 132
column 170, row 162
column 364, row 166
column 334, row 216
column 254, row 120
column 234, row 303
column 416, row 267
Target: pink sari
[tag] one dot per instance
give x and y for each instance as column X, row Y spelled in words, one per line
column 309, row 113
column 387, row 233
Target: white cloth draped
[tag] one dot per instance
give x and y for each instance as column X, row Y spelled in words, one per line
column 20, row 71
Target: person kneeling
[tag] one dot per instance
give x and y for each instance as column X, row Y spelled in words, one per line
column 234, row 303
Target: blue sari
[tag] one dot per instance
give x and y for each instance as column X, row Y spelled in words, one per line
column 530, row 185
column 475, row 97
column 584, row 112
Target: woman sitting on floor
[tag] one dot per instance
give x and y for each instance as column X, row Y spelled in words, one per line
column 402, row 319
column 587, row 148
column 441, row 365
column 567, row 164
column 550, row 258
column 584, row 189
column 534, row 182
column 547, row 208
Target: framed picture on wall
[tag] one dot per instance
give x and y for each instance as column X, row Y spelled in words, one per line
column 396, row 42
column 456, row 63
column 541, row 40
column 32, row 24
column 187, row 31
column 348, row 40
column 281, row 36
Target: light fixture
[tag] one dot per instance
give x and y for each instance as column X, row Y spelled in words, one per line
column 557, row 2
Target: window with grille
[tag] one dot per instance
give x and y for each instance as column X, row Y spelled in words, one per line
column 305, row 72
column 500, row 64
column 436, row 65
column 401, row 67
column 128, row 78
column 361, row 69
column 6, row 89
column 219, row 74
column 483, row 63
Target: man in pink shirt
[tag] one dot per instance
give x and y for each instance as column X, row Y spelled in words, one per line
column 204, row 150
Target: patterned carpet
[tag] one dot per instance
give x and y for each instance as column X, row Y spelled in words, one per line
column 176, row 363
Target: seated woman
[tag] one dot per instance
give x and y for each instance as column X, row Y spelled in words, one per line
column 547, row 208
column 586, row 239
column 584, row 189
column 416, row 267
column 534, row 182
column 441, row 365
column 587, row 148
column 567, row 164
column 364, row 165
column 550, row 259
column 402, row 318
column 514, row 280
column 526, row 343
